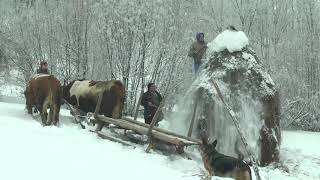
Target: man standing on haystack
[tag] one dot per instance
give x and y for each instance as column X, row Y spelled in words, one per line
column 197, row 50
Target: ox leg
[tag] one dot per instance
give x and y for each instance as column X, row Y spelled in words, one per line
column 51, row 116
column 100, row 125
column 29, row 108
column 116, row 112
column 55, row 118
column 44, row 113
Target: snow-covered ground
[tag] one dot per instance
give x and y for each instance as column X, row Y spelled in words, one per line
column 30, row 151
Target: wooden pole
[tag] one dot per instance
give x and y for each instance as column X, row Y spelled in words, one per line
column 144, row 130
column 105, row 136
column 162, row 130
column 74, row 112
column 193, row 117
column 153, row 122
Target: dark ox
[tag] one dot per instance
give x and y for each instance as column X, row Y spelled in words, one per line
column 84, row 94
column 44, row 91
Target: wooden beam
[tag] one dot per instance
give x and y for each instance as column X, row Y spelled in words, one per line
column 162, row 130
column 144, row 130
column 193, row 117
column 105, row 136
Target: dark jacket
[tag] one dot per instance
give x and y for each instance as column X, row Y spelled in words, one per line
column 197, row 51
column 149, row 111
column 43, row 71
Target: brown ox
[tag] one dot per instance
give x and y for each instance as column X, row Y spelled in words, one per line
column 44, row 91
column 84, row 94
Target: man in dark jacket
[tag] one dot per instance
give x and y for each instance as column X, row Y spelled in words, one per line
column 151, row 101
column 43, row 68
column 197, row 50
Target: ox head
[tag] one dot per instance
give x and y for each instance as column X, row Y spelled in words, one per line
column 66, row 90
column 113, row 99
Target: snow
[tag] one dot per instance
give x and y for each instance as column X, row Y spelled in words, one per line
column 251, row 60
column 302, row 141
column 30, row 151
column 230, row 40
column 11, row 90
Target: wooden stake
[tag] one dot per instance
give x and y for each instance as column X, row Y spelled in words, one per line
column 193, row 116
column 153, row 122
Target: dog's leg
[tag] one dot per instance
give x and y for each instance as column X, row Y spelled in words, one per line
column 242, row 174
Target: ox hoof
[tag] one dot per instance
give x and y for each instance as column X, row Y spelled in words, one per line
column 45, row 124
column 29, row 111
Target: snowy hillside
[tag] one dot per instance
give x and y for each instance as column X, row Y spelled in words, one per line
column 30, row 151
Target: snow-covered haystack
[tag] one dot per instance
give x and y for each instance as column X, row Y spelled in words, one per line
column 246, row 88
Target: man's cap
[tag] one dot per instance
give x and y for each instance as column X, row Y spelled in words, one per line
column 43, row 63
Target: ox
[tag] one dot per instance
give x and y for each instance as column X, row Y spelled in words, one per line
column 44, row 91
column 84, row 94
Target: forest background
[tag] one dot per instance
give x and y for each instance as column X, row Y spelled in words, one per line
column 144, row 41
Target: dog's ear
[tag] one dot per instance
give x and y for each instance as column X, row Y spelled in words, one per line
column 214, row 144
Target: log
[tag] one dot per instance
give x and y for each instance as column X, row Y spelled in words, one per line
column 162, row 130
column 75, row 112
column 144, row 130
column 105, row 136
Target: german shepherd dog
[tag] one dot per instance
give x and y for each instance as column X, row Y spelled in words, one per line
column 218, row 164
